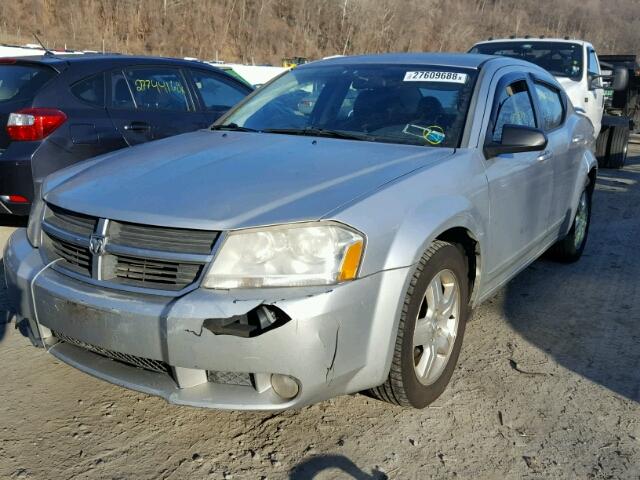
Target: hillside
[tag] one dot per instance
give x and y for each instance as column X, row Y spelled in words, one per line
column 264, row 31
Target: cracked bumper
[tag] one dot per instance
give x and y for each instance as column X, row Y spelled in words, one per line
column 339, row 339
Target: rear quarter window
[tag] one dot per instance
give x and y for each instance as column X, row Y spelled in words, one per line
column 90, row 90
column 22, row 82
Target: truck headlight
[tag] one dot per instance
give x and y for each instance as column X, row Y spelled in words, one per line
column 287, row 256
column 35, row 221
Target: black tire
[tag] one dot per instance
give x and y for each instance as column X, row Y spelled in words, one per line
column 602, row 143
column 618, row 146
column 402, row 386
column 568, row 250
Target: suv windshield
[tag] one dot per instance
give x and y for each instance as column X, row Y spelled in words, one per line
column 21, row 82
column 416, row 105
column 561, row 59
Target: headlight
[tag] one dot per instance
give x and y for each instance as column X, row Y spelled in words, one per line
column 287, row 256
column 35, row 220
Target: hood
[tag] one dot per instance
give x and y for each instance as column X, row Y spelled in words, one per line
column 574, row 89
column 227, row 180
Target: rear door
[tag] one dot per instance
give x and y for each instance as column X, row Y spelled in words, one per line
column 552, row 108
column 19, row 84
column 216, row 92
column 151, row 102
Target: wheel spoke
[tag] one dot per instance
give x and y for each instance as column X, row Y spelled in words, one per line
column 426, row 362
column 423, row 333
column 434, row 293
column 442, row 342
column 449, row 302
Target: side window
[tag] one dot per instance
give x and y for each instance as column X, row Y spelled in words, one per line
column 216, row 94
column 120, row 93
column 551, row 105
column 90, row 90
column 158, row 88
column 514, row 108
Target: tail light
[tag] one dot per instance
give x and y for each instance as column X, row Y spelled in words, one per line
column 34, row 123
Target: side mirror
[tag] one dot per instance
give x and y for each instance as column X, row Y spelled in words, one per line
column 517, row 139
column 595, row 81
column 620, row 79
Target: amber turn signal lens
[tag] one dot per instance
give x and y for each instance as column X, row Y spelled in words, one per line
column 351, row 262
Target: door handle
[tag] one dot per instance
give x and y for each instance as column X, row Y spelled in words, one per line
column 137, row 127
column 544, row 156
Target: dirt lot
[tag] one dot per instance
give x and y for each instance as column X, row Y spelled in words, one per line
column 548, row 387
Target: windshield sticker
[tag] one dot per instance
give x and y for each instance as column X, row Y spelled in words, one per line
column 446, row 77
column 434, row 134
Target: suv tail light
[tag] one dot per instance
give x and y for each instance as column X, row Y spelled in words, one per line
column 34, row 123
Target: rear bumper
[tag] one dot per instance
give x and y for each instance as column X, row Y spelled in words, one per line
column 339, row 339
column 15, row 179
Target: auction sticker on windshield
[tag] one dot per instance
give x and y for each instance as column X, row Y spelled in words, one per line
column 449, row 77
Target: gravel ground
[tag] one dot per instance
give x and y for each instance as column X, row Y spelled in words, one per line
column 548, row 386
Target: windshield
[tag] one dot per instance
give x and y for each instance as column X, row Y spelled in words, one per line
column 21, row 82
column 561, row 59
column 416, row 105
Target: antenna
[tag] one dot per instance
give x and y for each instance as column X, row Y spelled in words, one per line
column 47, row 52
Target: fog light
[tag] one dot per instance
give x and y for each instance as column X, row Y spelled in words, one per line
column 284, row 385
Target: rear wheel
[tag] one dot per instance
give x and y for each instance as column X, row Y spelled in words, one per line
column 619, row 144
column 431, row 329
column 570, row 248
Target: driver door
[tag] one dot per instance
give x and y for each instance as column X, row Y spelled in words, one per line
column 520, row 184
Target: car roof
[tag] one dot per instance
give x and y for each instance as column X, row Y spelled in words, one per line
column 88, row 59
column 536, row 39
column 462, row 60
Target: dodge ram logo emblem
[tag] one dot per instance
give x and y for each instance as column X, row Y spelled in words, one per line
column 97, row 243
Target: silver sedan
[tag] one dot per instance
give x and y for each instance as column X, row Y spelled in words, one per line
column 329, row 235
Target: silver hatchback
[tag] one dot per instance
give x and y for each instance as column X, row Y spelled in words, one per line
column 329, row 235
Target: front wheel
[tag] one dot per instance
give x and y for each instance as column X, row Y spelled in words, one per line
column 570, row 248
column 431, row 328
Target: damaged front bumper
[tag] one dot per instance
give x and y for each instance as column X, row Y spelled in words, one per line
column 336, row 340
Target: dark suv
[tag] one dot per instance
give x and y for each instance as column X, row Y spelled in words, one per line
column 59, row 110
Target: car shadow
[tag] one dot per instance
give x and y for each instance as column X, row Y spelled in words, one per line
column 314, row 466
column 4, row 307
column 586, row 315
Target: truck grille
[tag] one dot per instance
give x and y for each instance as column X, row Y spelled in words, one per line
column 133, row 255
column 140, row 362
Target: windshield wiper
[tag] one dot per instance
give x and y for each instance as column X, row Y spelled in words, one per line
column 233, row 127
column 321, row 132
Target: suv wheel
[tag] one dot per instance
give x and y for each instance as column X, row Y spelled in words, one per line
column 431, row 329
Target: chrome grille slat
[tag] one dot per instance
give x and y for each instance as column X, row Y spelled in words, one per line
column 72, row 222
column 75, row 258
column 141, row 256
column 140, row 362
column 162, row 238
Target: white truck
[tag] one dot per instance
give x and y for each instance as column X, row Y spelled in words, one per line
column 575, row 65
